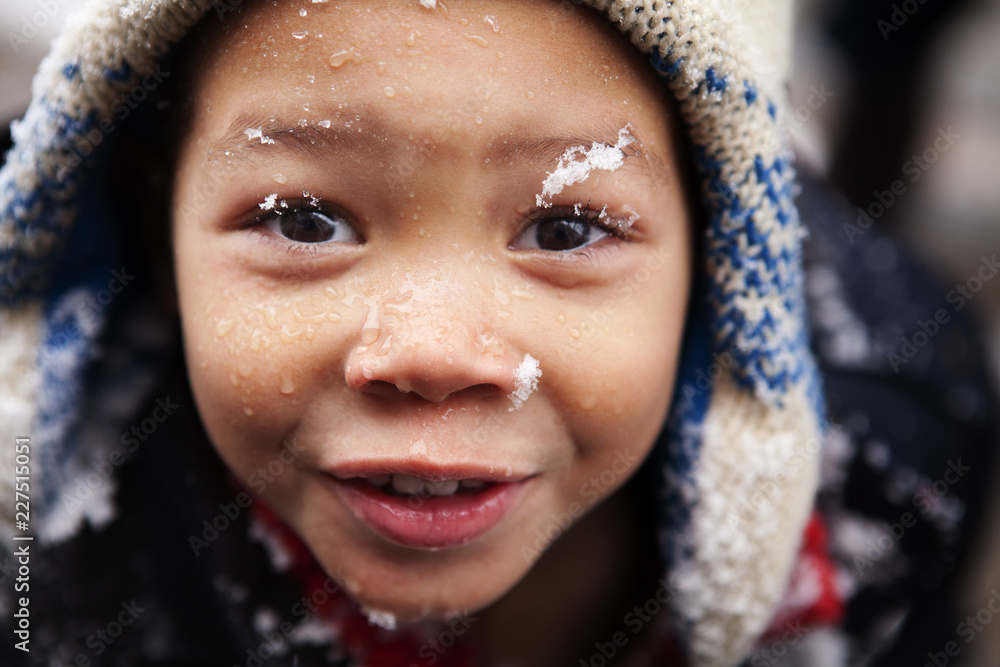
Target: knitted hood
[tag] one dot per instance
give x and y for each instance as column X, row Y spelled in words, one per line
column 738, row 458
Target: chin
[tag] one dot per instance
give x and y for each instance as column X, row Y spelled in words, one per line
column 423, row 591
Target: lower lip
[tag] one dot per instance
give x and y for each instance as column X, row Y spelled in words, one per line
column 434, row 522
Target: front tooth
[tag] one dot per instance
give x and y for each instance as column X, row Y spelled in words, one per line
column 445, row 488
column 472, row 483
column 408, row 485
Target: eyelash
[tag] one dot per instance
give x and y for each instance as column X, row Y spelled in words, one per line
column 307, row 202
column 616, row 227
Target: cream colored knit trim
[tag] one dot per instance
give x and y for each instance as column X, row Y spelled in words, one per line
column 19, row 382
column 756, row 480
column 105, row 32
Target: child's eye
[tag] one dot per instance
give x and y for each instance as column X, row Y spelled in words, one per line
column 308, row 224
column 558, row 230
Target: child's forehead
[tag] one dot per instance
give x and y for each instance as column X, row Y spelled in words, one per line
column 492, row 75
column 504, row 40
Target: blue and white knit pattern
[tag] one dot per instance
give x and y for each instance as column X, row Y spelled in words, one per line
column 56, row 247
column 729, row 440
column 725, row 67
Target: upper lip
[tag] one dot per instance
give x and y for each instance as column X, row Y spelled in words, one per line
column 436, row 472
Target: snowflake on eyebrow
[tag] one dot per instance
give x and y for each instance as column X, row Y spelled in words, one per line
column 255, row 133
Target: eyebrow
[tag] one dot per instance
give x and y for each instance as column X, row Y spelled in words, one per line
column 315, row 142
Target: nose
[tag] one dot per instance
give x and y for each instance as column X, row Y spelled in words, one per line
column 433, row 351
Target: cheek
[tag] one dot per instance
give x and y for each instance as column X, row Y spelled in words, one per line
column 615, row 363
column 250, row 355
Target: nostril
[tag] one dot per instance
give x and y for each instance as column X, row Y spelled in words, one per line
column 382, row 388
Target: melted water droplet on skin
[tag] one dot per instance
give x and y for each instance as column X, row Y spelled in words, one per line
column 287, row 386
column 224, row 327
column 300, row 34
column 575, row 333
column 523, row 294
column 411, row 39
column 270, row 316
column 317, row 318
column 501, row 296
column 233, row 380
column 248, row 412
column 303, row 12
column 330, row 291
column 245, row 370
column 386, row 347
column 389, row 91
column 479, row 119
column 481, row 41
column 370, row 329
column 280, row 179
column 530, row 95
column 380, row 68
column 561, row 319
column 341, row 57
column 589, row 403
column 367, row 372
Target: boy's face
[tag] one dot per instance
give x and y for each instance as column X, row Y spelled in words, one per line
column 362, row 266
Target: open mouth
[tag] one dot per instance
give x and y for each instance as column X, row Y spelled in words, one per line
column 408, row 485
column 426, row 513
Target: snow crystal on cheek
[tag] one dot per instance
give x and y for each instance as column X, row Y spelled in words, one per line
column 525, row 381
column 382, row 619
column 255, row 133
column 429, row 4
column 570, row 170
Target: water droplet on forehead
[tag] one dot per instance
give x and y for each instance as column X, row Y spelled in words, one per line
column 299, row 34
column 303, row 12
